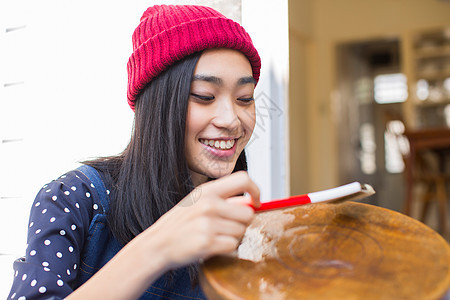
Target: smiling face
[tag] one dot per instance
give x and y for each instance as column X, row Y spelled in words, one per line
column 220, row 114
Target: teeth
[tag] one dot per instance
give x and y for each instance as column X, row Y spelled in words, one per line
column 222, row 145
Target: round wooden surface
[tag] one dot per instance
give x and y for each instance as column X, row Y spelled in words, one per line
column 332, row 251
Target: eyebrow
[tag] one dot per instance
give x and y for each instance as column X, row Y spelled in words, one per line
column 208, row 78
column 246, row 80
column 218, row 81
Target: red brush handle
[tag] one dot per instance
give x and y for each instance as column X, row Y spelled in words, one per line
column 291, row 201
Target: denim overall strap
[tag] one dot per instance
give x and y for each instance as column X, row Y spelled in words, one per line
column 101, row 245
column 97, row 181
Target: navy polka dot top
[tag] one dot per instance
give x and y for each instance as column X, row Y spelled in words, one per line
column 59, row 222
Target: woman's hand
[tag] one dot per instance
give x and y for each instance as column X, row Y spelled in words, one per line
column 211, row 220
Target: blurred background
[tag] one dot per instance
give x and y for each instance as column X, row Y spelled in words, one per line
column 350, row 91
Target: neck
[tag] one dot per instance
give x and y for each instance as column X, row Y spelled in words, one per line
column 198, row 179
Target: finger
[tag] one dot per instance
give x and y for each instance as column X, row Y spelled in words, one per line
column 218, row 207
column 229, row 227
column 242, row 200
column 223, row 244
column 235, row 209
column 235, row 184
column 245, row 200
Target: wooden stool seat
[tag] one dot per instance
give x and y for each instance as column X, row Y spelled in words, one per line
column 332, row 251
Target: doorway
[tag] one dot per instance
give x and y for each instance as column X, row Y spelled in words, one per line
column 371, row 90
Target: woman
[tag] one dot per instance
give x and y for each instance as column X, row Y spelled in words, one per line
column 136, row 224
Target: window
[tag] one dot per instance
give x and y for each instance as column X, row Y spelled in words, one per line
column 390, row 88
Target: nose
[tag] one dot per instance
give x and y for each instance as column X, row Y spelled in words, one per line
column 226, row 116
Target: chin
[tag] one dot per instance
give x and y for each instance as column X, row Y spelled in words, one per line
column 219, row 169
column 220, row 173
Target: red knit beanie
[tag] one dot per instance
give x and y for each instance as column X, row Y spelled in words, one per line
column 168, row 33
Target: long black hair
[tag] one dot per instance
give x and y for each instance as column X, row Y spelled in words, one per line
column 151, row 175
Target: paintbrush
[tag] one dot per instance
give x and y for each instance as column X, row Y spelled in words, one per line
column 352, row 191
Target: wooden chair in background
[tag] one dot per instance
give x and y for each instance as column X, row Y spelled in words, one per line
column 426, row 163
column 424, row 153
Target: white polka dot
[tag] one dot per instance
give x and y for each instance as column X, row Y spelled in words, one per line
column 16, row 273
column 67, row 193
column 31, row 224
column 32, row 252
column 33, row 282
column 24, row 276
column 22, row 298
column 73, row 227
column 13, row 296
column 45, row 264
column 37, row 204
column 92, row 186
column 42, row 289
column 45, row 186
column 62, row 232
column 54, row 198
column 44, row 211
column 48, row 191
column 46, row 269
column 70, row 249
column 74, row 188
column 95, row 206
column 75, row 266
column 77, row 205
column 68, row 272
column 107, row 191
column 66, row 210
column 63, row 176
column 59, row 254
column 88, row 194
column 37, row 231
column 60, row 282
column 52, row 219
column 59, row 276
column 47, row 242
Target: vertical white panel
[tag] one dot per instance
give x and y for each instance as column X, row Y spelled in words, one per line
column 267, row 23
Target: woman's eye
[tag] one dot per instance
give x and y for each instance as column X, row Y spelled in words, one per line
column 246, row 99
column 204, row 98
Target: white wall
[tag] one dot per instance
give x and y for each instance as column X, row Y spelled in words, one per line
column 71, row 57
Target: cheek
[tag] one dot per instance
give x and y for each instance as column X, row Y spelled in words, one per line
column 195, row 120
column 248, row 118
